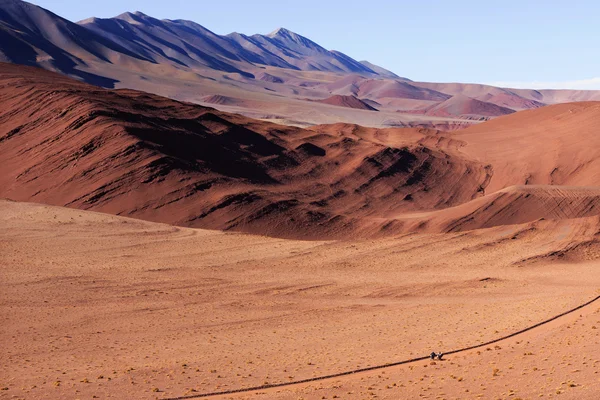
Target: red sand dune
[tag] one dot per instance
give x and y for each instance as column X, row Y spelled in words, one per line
column 466, row 107
column 135, row 154
column 511, row 100
column 521, row 204
column 511, row 206
column 347, row 101
column 376, row 89
column 553, row 145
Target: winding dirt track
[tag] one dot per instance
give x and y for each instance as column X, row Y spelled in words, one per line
column 382, row 366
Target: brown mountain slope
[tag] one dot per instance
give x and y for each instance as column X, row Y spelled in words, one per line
column 376, row 89
column 512, row 98
column 466, row 107
column 346, row 101
column 504, row 98
column 129, row 153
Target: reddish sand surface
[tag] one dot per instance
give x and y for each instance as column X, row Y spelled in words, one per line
column 97, row 305
column 335, row 248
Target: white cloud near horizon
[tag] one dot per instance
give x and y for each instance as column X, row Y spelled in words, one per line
column 583, row 84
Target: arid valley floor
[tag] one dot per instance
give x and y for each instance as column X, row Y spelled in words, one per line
column 96, row 305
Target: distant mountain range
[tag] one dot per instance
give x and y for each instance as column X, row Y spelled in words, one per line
column 264, row 76
column 34, row 36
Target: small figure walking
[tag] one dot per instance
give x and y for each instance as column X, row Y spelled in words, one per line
column 440, row 355
column 432, row 355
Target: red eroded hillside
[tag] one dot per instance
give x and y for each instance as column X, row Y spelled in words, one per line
column 130, row 153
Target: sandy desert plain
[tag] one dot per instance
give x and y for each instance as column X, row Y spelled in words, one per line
column 98, row 306
column 285, row 213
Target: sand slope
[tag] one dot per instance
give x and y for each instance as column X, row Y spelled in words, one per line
column 555, row 145
column 509, row 206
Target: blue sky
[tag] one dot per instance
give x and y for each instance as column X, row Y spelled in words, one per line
column 527, row 43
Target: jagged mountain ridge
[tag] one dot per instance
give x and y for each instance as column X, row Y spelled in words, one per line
column 139, row 36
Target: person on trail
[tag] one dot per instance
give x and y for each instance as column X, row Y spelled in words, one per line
column 432, row 355
column 440, row 355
